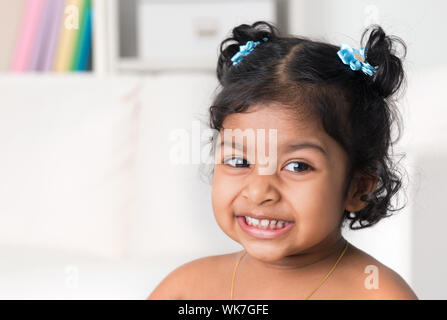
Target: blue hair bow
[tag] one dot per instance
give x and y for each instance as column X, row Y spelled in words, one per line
column 355, row 58
column 245, row 50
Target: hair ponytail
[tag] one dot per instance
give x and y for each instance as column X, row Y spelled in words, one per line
column 380, row 51
column 241, row 34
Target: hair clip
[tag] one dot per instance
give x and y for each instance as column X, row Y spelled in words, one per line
column 245, row 50
column 355, row 58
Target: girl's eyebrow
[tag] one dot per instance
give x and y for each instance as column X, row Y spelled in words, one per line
column 289, row 148
column 303, row 145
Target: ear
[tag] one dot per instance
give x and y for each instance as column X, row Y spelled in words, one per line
column 361, row 184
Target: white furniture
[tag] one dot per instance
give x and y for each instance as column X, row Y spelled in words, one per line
column 192, row 30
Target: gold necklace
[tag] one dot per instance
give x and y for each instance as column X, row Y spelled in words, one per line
column 313, row 291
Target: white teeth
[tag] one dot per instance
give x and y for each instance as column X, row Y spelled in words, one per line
column 266, row 223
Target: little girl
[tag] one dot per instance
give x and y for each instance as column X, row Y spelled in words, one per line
column 331, row 112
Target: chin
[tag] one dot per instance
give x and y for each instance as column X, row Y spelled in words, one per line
column 264, row 252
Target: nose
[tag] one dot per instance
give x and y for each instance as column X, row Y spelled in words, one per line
column 260, row 189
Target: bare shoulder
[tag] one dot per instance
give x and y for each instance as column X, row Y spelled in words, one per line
column 202, row 278
column 367, row 278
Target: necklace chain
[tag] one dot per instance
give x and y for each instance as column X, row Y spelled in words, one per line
column 313, row 291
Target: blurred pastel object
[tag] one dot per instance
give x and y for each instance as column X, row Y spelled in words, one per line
column 11, row 13
column 83, row 36
column 40, row 37
column 55, row 16
column 28, row 30
column 68, row 35
column 86, row 42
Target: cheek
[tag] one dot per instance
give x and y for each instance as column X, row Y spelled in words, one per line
column 223, row 192
column 318, row 205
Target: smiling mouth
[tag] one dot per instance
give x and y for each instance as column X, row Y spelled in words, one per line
column 264, row 228
column 265, row 223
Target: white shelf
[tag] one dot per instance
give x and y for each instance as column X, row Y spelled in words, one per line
column 107, row 30
column 105, row 36
column 145, row 65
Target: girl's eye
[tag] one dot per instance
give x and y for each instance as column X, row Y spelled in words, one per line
column 297, row 166
column 238, row 163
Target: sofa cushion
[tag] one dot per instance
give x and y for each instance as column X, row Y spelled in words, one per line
column 67, row 146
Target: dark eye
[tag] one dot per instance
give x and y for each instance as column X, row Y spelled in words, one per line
column 297, row 166
column 238, row 162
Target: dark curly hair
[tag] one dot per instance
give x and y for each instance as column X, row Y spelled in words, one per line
column 357, row 110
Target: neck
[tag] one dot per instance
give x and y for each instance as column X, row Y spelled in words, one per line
column 326, row 251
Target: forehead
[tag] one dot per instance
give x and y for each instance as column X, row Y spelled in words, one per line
column 289, row 125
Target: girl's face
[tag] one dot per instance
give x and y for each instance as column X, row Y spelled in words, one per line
column 305, row 187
